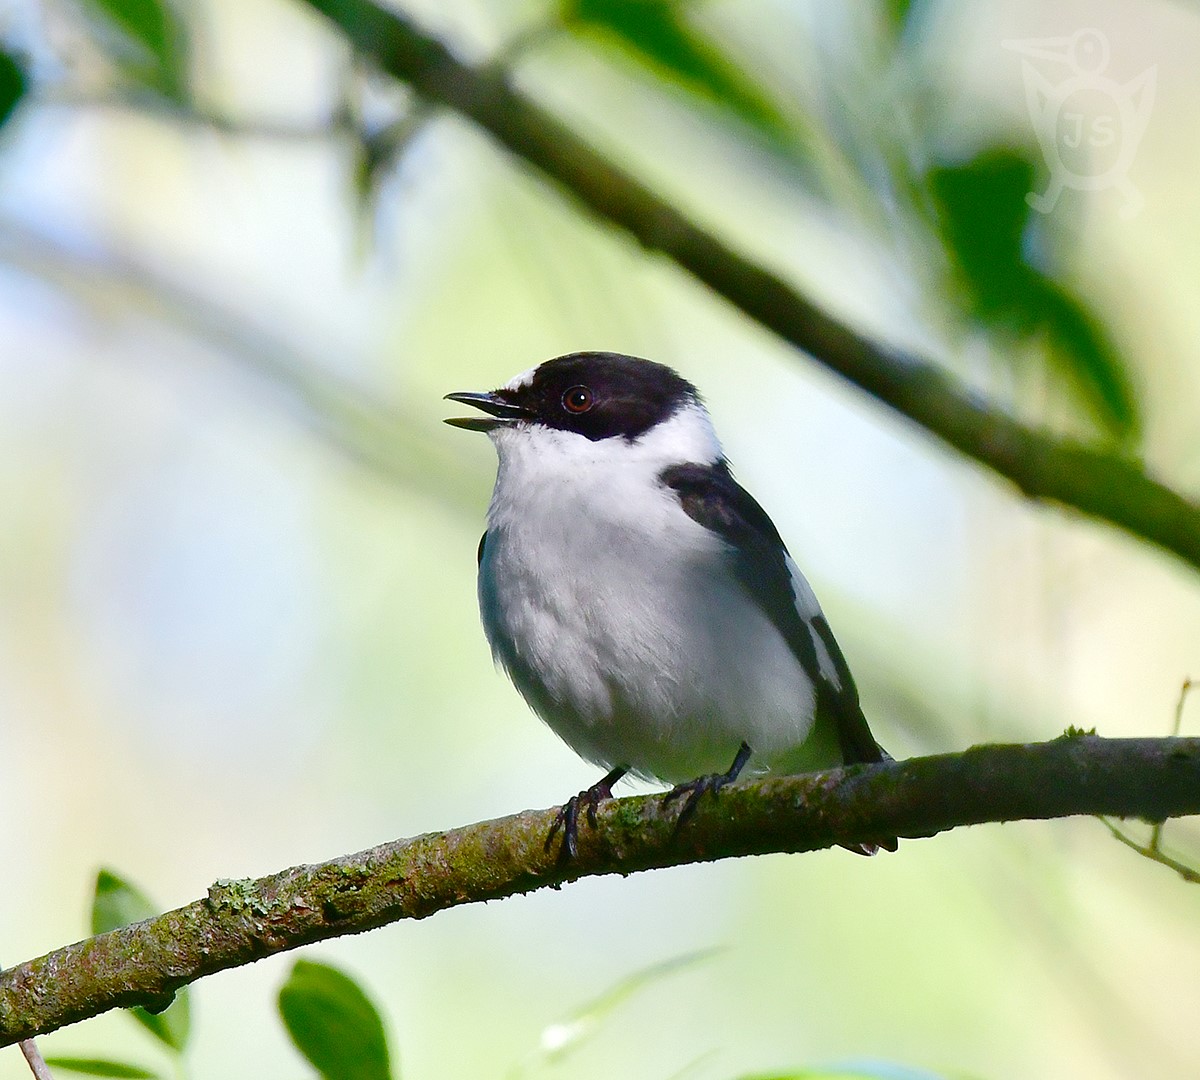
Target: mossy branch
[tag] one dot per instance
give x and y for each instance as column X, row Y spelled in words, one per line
column 1064, row 471
column 242, row 921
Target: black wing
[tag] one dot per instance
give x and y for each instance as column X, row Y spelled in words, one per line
column 711, row 496
column 479, row 553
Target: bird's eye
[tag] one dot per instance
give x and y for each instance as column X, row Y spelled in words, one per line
column 577, row 400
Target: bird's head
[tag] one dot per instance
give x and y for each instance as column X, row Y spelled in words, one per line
column 597, row 395
column 594, row 398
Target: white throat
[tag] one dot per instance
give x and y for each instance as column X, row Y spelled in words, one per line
column 532, row 456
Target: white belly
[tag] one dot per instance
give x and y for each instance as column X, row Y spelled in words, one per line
column 630, row 637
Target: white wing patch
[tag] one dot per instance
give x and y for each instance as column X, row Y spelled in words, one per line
column 809, row 608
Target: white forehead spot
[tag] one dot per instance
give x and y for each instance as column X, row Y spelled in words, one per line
column 518, row 382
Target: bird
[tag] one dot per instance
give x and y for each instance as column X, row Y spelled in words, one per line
column 640, row 599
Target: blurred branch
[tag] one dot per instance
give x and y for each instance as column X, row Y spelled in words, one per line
column 145, row 103
column 1045, row 467
column 388, row 440
column 1152, row 849
column 242, row 921
column 35, row 1061
column 1154, row 852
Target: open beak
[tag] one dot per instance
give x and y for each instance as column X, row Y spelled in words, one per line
column 500, row 413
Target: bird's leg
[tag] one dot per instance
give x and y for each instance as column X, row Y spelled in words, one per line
column 695, row 789
column 567, row 817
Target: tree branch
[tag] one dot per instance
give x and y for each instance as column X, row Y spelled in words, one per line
column 35, row 1061
column 1045, row 467
column 241, row 921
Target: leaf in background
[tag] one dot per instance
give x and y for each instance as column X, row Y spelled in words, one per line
column 983, row 218
column 654, row 33
column 564, row 1036
column 13, row 84
column 895, row 16
column 101, row 1067
column 1084, row 350
column 117, row 903
column 333, row 1023
column 159, row 43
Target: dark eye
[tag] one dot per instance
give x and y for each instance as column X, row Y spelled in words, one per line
column 577, row 400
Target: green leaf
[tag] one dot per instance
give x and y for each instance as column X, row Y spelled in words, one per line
column 13, row 84
column 654, row 33
column 117, row 903
column 101, row 1067
column 984, row 219
column 1084, row 351
column 159, row 55
column 173, row 1025
column 333, row 1023
column 895, row 16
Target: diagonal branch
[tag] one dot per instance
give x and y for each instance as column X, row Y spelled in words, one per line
column 242, row 921
column 1045, row 467
column 382, row 437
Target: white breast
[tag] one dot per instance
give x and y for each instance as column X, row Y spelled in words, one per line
column 618, row 619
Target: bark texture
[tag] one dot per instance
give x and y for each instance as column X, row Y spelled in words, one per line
column 241, row 921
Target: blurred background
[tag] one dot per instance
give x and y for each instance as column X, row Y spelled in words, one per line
column 239, row 269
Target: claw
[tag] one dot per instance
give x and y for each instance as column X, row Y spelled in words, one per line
column 567, row 817
column 695, row 789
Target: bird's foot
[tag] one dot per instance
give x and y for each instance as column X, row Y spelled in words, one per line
column 567, row 817
column 695, row 789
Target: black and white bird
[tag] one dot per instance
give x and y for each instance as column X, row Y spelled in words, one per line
column 640, row 599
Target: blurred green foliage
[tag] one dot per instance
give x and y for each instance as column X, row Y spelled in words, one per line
column 895, row 15
column 13, row 84
column 566, row 1035
column 100, row 1067
column 985, row 225
column 152, row 48
column 659, row 35
column 336, row 1027
column 333, row 1023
